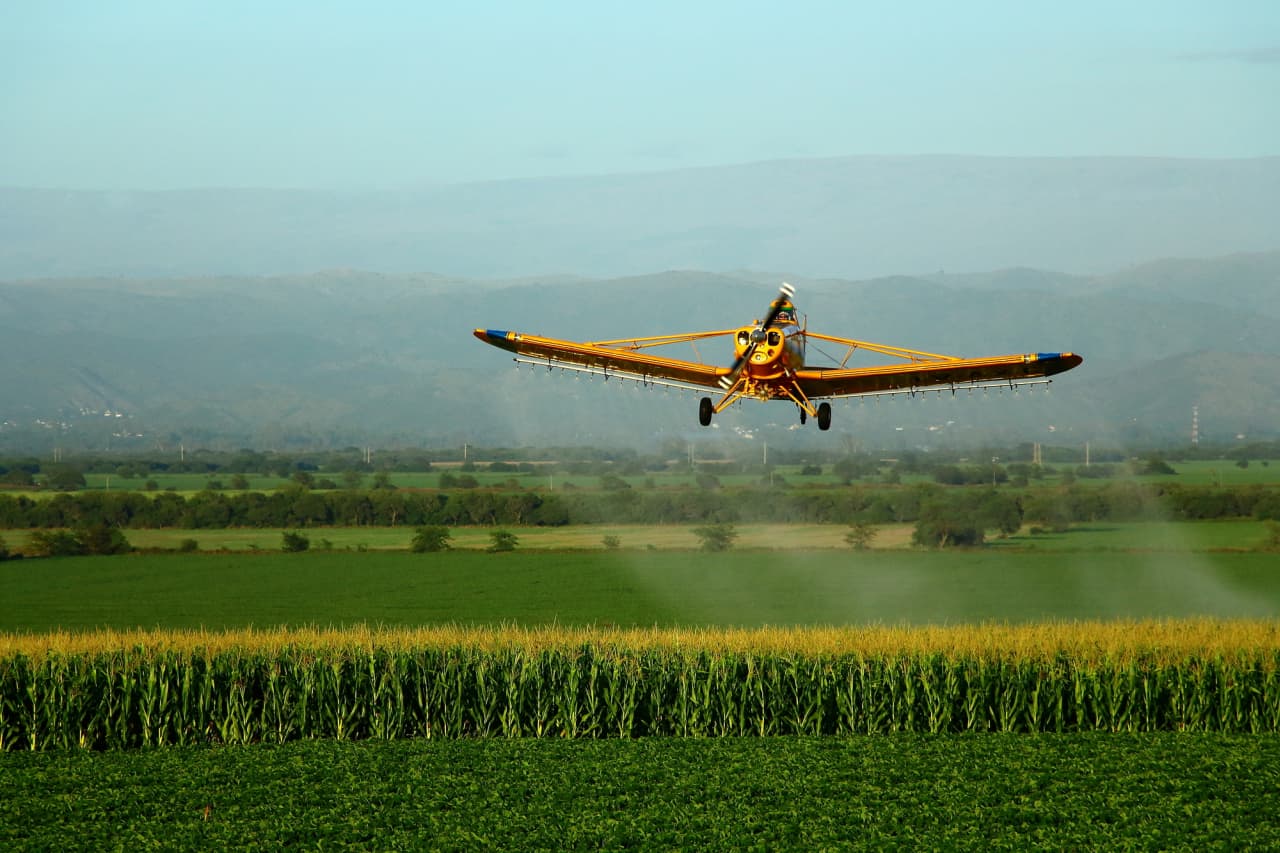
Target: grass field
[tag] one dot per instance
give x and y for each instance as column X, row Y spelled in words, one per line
column 1167, row 792
column 1104, row 536
column 630, row 588
column 1158, row 791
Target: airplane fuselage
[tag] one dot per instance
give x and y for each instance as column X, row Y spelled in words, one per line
column 778, row 353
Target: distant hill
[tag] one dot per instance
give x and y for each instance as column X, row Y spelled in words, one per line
column 346, row 357
column 849, row 218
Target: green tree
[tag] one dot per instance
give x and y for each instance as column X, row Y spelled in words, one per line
column 613, row 483
column 860, row 535
column 352, row 479
column 612, row 542
column 430, row 538
column 240, row 482
column 4, row 550
column 716, row 537
column 103, row 539
column 945, row 523
column 17, row 477
column 54, row 543
column 64, row 478
column 502, row 540
column 293, row 542
column 1001, row 511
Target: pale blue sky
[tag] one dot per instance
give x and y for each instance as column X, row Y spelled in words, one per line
column 160, row 95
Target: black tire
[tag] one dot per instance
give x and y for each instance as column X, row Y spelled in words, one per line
column 824, row 416
column 705, row 411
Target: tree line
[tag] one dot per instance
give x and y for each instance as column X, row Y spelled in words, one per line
column 298, row 507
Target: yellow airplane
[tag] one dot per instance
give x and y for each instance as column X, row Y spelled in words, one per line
column 769, row 364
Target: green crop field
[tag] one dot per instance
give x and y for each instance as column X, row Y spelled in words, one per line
column 1163, row 790
column 1166, row 792
column 630, row 588
column 1217, row 472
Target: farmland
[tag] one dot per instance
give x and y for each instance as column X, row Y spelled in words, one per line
column 1140, row 722
column 642, row 588
column 1166, row 791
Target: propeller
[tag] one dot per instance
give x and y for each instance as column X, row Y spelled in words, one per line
column 758, row 335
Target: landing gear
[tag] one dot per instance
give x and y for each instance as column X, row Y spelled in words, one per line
column 824, row 416
column 705, row 410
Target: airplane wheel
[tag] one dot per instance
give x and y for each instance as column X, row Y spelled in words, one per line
column 705, row 411
column 824, row 416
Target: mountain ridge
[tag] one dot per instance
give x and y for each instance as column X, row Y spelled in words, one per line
column 347, row 356
column 848, row 217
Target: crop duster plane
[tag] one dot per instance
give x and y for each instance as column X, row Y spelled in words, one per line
column 769, row 364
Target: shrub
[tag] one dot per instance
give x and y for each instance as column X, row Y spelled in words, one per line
column 293, row 542
column 716, row 537
column 186, row 546
column 55, row 543
column 502, row 540
column 1272, row 540
column 430, row 539
column 612, row 542
column 103, row 539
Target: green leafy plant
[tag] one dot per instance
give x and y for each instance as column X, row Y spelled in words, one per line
column 430, row 538
column 716, row 537
column 502, row 540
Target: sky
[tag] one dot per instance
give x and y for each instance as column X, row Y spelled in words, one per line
column 171, row 94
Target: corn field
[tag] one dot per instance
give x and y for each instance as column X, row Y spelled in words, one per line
column 114, row 690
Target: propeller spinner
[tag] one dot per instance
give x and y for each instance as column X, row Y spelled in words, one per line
column 758, row 335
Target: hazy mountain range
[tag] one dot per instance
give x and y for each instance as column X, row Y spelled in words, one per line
column 347, row 357
column 852, row 218
column 200, row 315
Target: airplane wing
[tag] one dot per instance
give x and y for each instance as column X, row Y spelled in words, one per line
column 609, row 358
column 933, row 372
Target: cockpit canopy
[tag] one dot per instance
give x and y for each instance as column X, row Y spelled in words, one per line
column 786, row 315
